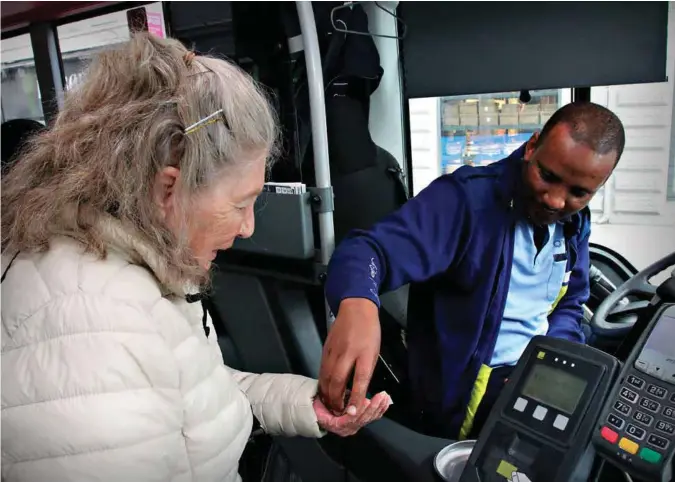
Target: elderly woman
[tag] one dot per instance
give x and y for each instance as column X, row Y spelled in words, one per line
column 110, row 219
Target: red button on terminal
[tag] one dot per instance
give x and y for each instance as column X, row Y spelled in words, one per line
column 610, row 435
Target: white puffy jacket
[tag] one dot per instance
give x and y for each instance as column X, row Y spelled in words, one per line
column 105, row 377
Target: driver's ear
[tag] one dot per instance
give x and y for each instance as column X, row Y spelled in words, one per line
column 531, row 146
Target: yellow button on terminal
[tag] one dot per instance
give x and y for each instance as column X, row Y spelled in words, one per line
column 629, row 446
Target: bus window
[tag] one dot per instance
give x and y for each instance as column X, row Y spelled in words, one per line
column 80, row 40
column 20, row 92
column 474, row 129
column 642, row 183
column 481, row 129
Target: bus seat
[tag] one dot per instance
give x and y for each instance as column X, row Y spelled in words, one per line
column 231, row 356
column 361, row 199
column 365, row 196
column 367, row 179
column 395, row 303
column 14, row 135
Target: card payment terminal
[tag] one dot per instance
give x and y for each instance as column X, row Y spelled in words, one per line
column 542, row 423
column 636, row 430
column 567, row 403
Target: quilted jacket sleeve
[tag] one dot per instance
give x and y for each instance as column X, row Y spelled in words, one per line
column 283, row 404
column 93, row 398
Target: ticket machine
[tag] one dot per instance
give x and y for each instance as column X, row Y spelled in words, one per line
column 636, row 429
column 568, row 405
column 542, row 423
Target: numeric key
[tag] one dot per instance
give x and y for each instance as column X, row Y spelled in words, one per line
column 665, row 427
column 622, row 408
column 650, row 405
column 658, row 392
column 636, row 432
column 628, row 394
column 635, row 381
column 643, row 418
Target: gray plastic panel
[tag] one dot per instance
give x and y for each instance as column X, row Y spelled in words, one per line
column 283, row 227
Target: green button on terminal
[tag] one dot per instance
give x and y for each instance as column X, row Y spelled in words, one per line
column 650, row 456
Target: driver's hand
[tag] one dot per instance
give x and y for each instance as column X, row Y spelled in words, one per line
column 352, row 345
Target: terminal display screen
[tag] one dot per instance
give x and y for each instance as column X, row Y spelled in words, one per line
column 660, row 340
column 554, row 387
column 658, row 355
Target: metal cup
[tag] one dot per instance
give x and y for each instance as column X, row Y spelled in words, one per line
column 450, row 461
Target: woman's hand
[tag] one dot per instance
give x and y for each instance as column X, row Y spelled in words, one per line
column 353, row 420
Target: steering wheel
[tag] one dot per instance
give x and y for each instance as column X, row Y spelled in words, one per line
column 616, row 315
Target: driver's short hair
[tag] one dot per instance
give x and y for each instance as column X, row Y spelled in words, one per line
column 590, row 124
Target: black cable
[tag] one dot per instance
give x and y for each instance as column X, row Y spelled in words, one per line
column 597, row 475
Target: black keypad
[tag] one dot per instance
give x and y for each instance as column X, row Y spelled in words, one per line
column 665, row 427
column 622, row 407
column 669, row 412
column 658, row 392
column 658, row 442
column 643, row 418
column 628, row 394
column 635, row 381
column 672, row 398
column 650, row 405
column 636, row 432
column 615, row 421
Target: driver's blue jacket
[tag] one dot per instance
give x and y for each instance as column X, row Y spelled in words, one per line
column 453, row 243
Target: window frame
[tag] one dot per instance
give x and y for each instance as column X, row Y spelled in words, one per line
column 670, row 188
column 47, row 56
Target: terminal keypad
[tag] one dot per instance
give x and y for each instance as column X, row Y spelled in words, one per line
column 642, row 420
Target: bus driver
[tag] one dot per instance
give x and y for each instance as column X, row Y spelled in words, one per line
column 495, row 256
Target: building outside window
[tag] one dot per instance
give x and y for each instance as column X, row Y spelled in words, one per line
column 78, row 42
column 481, row 129
column 20, row 93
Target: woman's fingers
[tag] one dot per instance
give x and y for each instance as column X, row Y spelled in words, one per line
column 384, row 406
column 369, row 411
column 374, row 411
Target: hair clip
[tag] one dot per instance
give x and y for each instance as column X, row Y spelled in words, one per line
column 188, row 57
column 218, row 115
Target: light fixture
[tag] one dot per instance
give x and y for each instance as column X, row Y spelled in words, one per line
column 525, row 96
